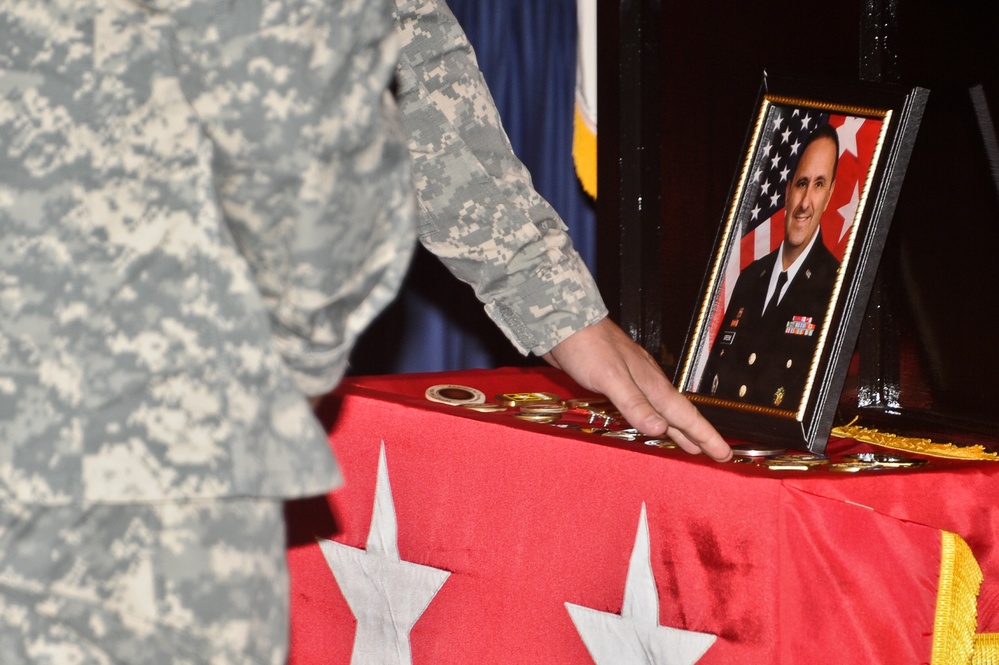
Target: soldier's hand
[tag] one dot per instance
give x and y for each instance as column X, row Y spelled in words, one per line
column 603, row 358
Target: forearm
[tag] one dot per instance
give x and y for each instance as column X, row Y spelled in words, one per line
column 479, row 212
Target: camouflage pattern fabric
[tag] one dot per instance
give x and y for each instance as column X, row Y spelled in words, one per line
column 202, row 204
column 479, row 212
column 160, row 584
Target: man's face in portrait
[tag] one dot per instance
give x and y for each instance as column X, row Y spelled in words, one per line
column 808, row 195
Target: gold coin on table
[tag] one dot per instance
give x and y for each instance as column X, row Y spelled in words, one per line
column 801, row 457
column 852, row 467
column 661, row 443
column 517, row 399
column 790, row 465
column 485, row 407
column 627, row 434
column 544, row 408
column 587, row 402
column 535, row 418
column 782, row 460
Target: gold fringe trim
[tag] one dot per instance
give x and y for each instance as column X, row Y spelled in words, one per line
column 913, row 445
column 986, row 649
column 584, row 154
column 956, row 617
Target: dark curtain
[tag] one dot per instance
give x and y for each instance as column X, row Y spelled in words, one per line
column 527, row 52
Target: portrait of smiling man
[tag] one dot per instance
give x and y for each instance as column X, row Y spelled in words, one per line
column 767, row 339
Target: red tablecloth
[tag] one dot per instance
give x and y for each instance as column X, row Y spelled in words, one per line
column 782, row 567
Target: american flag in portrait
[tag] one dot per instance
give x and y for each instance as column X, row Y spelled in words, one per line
column 760, row 219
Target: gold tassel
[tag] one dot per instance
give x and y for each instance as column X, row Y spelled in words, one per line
column 986, row 649
column 913, row 445
column 956, row 620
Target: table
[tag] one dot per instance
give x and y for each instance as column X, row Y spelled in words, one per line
column 497, row 540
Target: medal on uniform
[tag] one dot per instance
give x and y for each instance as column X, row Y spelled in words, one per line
column 800, row 325
column 779, row 396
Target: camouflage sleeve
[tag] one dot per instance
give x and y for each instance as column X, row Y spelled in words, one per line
column 479, row 212
column 312, row 170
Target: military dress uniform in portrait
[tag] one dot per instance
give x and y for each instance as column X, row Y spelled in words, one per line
column 763, row 357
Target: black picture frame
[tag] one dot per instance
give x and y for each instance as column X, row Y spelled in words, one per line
column 776, row 377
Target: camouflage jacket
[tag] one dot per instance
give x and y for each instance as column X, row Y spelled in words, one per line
column 201, row 205
column 478, row 211
column 174, row 264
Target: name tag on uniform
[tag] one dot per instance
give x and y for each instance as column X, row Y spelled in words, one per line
column 727, row 337
column 800, row 325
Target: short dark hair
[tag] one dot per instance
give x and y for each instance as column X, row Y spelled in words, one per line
column 825, row 131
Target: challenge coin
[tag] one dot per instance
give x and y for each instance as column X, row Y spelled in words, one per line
column 453, row 394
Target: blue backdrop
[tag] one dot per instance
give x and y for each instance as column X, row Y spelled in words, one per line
column 527, row 52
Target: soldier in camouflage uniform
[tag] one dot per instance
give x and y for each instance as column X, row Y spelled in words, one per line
column 201, row 205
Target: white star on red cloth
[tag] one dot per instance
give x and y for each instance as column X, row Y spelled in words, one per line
column 386, row 595
column 635, row 637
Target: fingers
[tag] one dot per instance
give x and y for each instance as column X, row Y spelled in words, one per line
column 698, row 438
column 635, row 405
column 685, row 424
column 662, row 411
column 604, row 358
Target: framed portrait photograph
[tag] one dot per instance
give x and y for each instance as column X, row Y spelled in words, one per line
column 767, row 351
